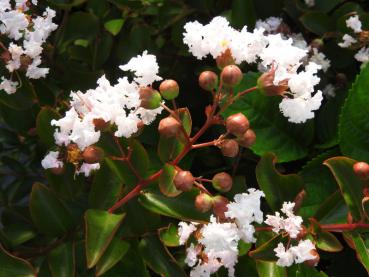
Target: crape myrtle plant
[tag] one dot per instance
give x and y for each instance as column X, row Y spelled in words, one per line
column 184, row 138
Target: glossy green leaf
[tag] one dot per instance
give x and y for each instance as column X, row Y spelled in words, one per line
column 243, row 13
column 317, row 22
column 278, row 188
column 169, row 235
column 328, row 242
column 22, row 99
column 361, row 247
column 11, row 266
column 113, row 254
column 17, row 234
column 265, row 252
column 270, row 269
column 62, row 260
column 114, row 26
column 158, row 258
column 66, row 4
column 333, row 210
column 273, row 131
column 166, row 184
column 180, row 207
column 302, row 270
column 43, row 125
column 350, row 185
column 48, row 212
column 354, row 125
column 100, row 229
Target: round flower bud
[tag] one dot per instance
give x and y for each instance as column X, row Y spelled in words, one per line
column 231, row 75
column 184, row 180
column 361, row 170
column 247, row 139
column 169, row 89
column 313, row 262
column 25, row 61
column 220, row 207
column 208, row 80
column 229, row 148
column 237, row 124
column 203, row 202
column 169, row 127
column 222, row 182
column 150, row 98
column 266, row 84
column 224, row 59
column 100, row 124
column 92, row 154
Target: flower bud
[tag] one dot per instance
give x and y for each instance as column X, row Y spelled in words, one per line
column 361, row 170
column 231, row 75
column 237, row 124
column 266, row 84
column 184, row 180
column 203, row 202
column 25, row 61
column 100, row 124
column 220, row 207
column 317, row 43
column 222, row 182
column 303, row 232
column 92, row 154
column 313, row 262
column 208, row 80
column 225, row 59
column 349, row 218
column 169, row 89
column 150, row 98
column 247, row 139
column 57, row 170
column 229, row 148
column 5, row 56
column 169, row 127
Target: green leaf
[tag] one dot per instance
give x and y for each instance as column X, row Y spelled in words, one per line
column 104, row 191
column 100, row 229
column 113, row 254
column 333, row 210
column 243, row 13
column 317, row 22
column 18, row 233
column 158, row 258
column 114, row 26
column 351, row 186
column 273, row 131
column 326, row 5
column 270, row 269
column 11, row 266
column 180, row 207
column 265, row 252
column 302, row 270
column 169, row 235
column 22, row 99
column 62, row 260
column 328, row 242
column 361, row 248
column 166, row 183
column 169, row 148
column 278, row 188
column 354, row 124
column 66, row 4
column 43, row 125
column 44, row 204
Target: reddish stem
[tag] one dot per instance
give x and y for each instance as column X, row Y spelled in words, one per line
column 344, row 227
column 205, row 144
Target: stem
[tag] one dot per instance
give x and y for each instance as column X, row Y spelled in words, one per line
column 175, row 115
column 246, row 91
column 344, row 227
column 205, row 144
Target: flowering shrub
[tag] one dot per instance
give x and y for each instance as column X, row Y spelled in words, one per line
column 184, row 138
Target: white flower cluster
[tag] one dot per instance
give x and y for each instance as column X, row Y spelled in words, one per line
column 268, row 50
column 118, row 104
column 28, row 34
column 291, row 224
column 310, row 3
column 219, row 241
column 355, row 25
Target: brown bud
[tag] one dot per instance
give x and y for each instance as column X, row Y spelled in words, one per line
column 247, row 139
column 25, row 62
column 315, row 261
column 283, row 28
column 184, row 180
column 225, row 59
column 150, row 98
column 361, row 170
column 231, row 75
column 222, row 181
column 100, row 124
column 203, row 202
column 57, row 170
column 267, row 87
column 302, row 234
column 208, row 80
column 237, row 124
column 229, row 148
column 364, row 37
column 349, row 218
column 5, row 56
column 92, row 154
column 169, row 89
column 220, row 207
column 169, row 127
column 317, row 43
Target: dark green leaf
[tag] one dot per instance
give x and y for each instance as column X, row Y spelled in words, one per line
column 11, row 266
column 317, row 22
column 328, row 242
column 169, row 235
column 43, row 125
column 62, row 260
column 114, row 26
column 166, row 184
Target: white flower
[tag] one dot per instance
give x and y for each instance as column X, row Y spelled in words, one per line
column 310, row 3
column 320, row 59
column 35, row 72
column 13, row 22
column 51, row 160
column 145, row 67
column 205, row 269
column 302, row 252
column 347, row 41
column 285, row 258
column 354, row 23
column 363, row 55
column 270, row 24
column 8, row 86
column 329, row 91
column 4, row 5
column 86, row 168
column 185, row 230
column 191, row 257
column 16, row 52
